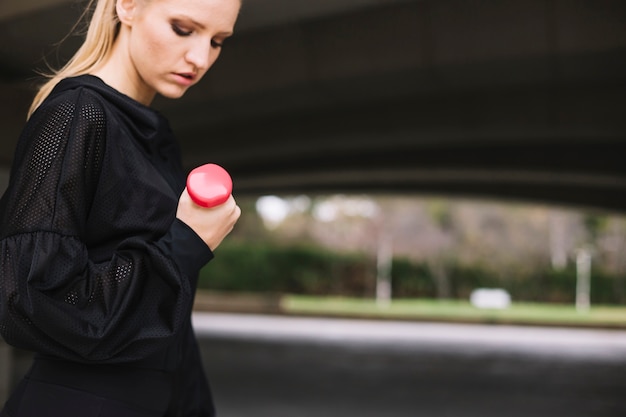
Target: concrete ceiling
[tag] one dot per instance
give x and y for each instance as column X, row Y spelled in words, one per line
column 503, row 99
column 35, row 26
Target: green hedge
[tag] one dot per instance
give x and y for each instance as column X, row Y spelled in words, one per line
column 297, row 269
column 311, row 270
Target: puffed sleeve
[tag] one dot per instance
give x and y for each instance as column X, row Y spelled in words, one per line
column 54, row 298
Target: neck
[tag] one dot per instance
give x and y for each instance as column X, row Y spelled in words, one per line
column 119, row 72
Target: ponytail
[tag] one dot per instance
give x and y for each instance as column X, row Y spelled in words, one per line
column 101, row 34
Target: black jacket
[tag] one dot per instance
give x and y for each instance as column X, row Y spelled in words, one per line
column 94, row 266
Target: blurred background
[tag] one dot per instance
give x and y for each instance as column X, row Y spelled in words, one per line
column 434, row 220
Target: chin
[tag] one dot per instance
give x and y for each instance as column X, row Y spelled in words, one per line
column 171, row 90
column 173, row 94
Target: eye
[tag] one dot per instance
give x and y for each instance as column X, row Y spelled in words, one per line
column 216, row 44
column 180, row 31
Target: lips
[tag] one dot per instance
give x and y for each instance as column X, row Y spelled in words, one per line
column 185, row 78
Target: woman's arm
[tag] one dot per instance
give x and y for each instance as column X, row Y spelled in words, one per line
column 54, row 298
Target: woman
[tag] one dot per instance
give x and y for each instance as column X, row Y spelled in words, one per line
column 100, row 243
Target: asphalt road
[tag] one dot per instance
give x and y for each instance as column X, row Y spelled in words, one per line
column 268, row 366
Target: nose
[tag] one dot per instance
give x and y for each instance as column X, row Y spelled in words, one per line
column 199, row 55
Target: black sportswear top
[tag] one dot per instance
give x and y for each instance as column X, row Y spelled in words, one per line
column 94, row 266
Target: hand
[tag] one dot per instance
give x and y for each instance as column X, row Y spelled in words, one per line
column 211, row 224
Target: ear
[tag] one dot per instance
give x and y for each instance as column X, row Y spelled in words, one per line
column 126, row 10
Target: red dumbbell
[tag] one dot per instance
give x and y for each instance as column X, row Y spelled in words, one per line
column 209, row 185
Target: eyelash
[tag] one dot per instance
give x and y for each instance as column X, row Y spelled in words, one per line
column 180, row 32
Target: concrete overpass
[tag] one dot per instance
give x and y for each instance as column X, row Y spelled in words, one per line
column 507, row 99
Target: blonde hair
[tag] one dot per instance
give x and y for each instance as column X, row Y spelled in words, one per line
column 101, row 34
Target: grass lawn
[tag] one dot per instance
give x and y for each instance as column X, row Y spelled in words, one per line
column 456, row 311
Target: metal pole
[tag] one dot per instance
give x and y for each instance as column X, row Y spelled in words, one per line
column 583, row 279
column 383, row 262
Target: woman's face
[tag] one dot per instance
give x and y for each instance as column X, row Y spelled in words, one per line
column 172, row 43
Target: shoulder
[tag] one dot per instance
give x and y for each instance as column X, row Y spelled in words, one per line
column 70, row 113
column 71, row 120
column 65, row 104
